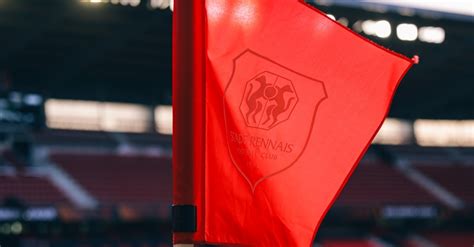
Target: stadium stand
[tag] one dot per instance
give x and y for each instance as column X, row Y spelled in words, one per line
column 385, row 183
column 411, row 243
column 115, row 179
column 416, row 154
column 458, row 179
column 74, row 138
column 451, row 239
column 350, row 243
column 403, row 193
column 29, row 189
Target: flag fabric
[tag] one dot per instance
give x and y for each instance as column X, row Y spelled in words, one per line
column 285, row 102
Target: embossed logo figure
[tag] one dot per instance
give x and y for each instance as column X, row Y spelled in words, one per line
column 254, row 105
column 266, row 104
column 276, row 95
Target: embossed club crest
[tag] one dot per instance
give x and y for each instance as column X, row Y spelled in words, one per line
column 270, row 111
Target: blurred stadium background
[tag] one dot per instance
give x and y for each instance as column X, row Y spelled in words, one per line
column 85, row 126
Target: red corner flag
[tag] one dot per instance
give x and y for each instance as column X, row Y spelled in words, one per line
column 274, row 106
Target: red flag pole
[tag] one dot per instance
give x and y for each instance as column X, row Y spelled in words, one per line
column 188, row 116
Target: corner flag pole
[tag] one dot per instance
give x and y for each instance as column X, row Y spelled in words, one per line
column 188, row 70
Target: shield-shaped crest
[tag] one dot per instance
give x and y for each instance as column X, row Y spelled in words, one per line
column 270, row 111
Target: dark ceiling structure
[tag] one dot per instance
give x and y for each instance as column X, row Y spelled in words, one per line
column 69, row 49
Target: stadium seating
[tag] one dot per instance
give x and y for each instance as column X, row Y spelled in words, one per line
column 350, row 243
column 104, row 140
column 74, row 138
column 415, row 154
column 411, row 243
column 457, row 179
column 30, row 189
column 380, row 184
column 451, row 239
column 115, row 179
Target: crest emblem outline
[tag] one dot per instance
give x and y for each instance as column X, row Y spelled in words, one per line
column 253, row 185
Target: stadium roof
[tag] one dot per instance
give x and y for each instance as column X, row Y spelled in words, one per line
column 71, row 49
column 450, row 9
